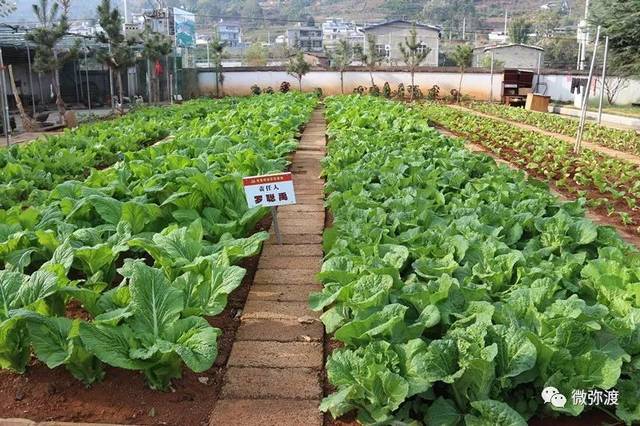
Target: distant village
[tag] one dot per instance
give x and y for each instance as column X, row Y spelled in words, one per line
column 192, row 50
column 316, row 40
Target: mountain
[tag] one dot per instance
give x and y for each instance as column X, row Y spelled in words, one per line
column 489, row 13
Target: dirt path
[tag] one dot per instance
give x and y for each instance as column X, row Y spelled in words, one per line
column 625, row 156
column 274, row 372
column 593, row 216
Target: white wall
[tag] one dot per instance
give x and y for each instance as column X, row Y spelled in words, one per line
column 475, row 84
column 240, row 82
column 559, row 88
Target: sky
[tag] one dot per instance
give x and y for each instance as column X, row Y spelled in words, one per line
column 79, row 9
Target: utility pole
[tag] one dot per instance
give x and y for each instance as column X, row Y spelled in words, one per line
column 583, row 37
column 86, row 73
column 506, row 19
column 604, row 76
column 585, row 96
column 31, row 88
column 113, row 101
column 491, row 83
column 4, row 102
column 464, row 27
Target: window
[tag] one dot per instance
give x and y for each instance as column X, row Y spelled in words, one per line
column 383, row 50
column 422, row 48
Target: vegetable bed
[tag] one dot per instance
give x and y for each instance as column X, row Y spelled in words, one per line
column 459, row 288
column 28, row 172
column 611, row 186
column 121, row 270
column 622, row 140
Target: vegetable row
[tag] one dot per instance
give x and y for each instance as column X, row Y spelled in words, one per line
column 123, row 268
column 459, row 288
column 622, row 140
column 28, row 172
column 608, row 183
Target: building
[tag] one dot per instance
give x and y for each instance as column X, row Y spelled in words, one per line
column 230, row 33
column 308, row 39
column 334, row 30
column 389, row 35
column 520, row 56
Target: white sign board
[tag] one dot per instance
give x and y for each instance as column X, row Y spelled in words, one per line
column 269, row 190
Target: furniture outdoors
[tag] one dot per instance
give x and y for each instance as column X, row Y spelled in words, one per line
column 536, row 102
column 516, row 85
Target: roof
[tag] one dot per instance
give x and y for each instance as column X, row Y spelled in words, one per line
column 320, row 55
column 501, row 46
column 402, row 21
column 303, row 28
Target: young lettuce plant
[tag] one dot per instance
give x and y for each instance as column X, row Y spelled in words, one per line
column 154, row 338
column 19, row 294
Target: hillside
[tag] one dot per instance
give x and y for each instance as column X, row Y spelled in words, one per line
column 489, row 13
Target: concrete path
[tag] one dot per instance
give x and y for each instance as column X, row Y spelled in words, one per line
column 274, row 371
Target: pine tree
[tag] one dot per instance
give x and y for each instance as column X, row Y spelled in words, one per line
column 120, row 55
column 414, row 53
column 462, row 56
column 6, row 7
column 372, row 58
column 53, row 24
column 216, row 47
column 298, row 67
column 620, row 21
column 340, row 59
column 155, row 46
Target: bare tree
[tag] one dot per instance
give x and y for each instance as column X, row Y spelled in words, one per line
column 613, row 86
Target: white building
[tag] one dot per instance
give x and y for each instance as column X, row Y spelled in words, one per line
column 334, row 30
column 389, row 35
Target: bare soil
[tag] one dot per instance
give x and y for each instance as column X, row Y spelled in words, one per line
column 122, row 397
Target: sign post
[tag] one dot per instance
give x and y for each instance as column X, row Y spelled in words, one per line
column 270, row 191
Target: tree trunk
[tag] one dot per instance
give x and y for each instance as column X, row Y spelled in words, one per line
column 27, row 122
column 412, row 85
column 371, row 76
column 156, row 90
column 56, row 88
column 217, row 82
column 342, row 82
column 59, row 102
column 120, row 92
column 300, row 83
column 460, row 86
